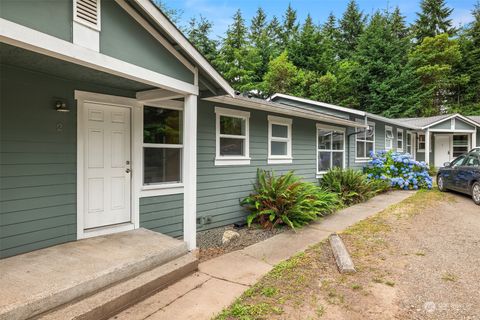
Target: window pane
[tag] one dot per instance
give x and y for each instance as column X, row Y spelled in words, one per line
column 389, row 134
column 162, row 125
column 400, row 144
column 337, row 159
column 279, row 131
column 458, row 151
column 370, row 133
column 162, row 165
column 278, row 148
column 461, row 140
column 231, row 125
column 360, row 149
column 231, row 147
column 369, row 149
column 324, row 160
column 324, row 140
column 337, row 140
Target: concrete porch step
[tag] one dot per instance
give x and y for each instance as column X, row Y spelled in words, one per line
column 116, row 298
column 40, row 281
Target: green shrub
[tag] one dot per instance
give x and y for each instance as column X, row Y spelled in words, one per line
column 352, row 186
column 286, row 200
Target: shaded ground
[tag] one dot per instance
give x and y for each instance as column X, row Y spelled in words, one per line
column 419, row 259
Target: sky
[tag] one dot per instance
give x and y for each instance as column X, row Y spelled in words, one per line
column 220, row 12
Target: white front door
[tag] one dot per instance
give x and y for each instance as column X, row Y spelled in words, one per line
column 443, row 150
column 107, row 165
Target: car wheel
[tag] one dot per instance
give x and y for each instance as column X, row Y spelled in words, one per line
column 476, row 193
column 441, row 184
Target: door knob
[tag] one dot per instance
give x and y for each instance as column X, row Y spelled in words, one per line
column 128, row 170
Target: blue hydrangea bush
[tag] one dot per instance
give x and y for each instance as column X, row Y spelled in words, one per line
column 399, row 169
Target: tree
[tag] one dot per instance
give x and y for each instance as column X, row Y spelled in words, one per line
column 260, row 39
column 397, row 23
column 175, row 15
column 199, row 35
column 274, row 30
column 351, row 27
column 433, row 62
column 282, row 76
column 305, row 51
column 434, row 19
column 289, row 26
column 237, row 60
column 381, row 56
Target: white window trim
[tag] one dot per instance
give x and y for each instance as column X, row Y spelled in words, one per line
column 327, row 127
column 231, row 160
column 400, row 131
column 370, row 123
column 425, row 143
column 162, row 188
column 389, row 128
column 408, row 142
column 279, row 159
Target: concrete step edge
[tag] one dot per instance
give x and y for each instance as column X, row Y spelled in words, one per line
column 41, row 304
column 114, row 299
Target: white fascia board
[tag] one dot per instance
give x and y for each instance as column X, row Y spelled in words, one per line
column 155, row 14
column 318, row 103
column 33, row 40
column 390, row 121
column 453, row 116
column 287, row 110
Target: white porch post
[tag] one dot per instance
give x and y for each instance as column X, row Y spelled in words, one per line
column 474, row 138
column 427, row 147
column 190, row 172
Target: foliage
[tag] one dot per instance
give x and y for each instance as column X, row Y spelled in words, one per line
column 400, row 170
column 433, row 20
column 199, row 35
column 286, row 200
column 352, row 25
column 352, row 186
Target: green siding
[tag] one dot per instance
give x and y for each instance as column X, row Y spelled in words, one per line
column 53, row 17
column 37, row 162
column 461, row 125
column 123, row 38
column 163, row 214
column 447, row 124
column 221, row 187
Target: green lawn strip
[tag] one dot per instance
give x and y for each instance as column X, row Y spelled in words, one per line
column 308, row 278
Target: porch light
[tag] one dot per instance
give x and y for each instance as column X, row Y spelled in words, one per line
column 61, row 106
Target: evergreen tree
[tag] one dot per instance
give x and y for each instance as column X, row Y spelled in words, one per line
column 351, row 26
column 433, row 61
column 434, row 19
column 305, row 51
column 282, row 76
column 347, row 86
column 289, row 27
column 199, row 35
column 237, row 60
column 397, row 23
column 381, row 56
column 260, row 39
column 274, row 30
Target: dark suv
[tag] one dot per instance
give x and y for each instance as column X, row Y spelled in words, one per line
column 462, row 175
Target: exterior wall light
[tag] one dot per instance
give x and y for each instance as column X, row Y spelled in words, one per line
column 61, row 106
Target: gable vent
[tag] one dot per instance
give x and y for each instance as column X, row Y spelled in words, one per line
column 87, row 12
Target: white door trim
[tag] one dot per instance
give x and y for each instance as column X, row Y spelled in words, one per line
column 136, row 134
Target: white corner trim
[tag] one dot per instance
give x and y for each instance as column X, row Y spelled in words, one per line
column 86, row 37
column 33, row 40
column 224, row 161
column 157, row 16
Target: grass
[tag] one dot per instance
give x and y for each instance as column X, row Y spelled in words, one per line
column 308, row 284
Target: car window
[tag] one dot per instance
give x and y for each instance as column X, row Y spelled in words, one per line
column 473, row 160
column 458, row 162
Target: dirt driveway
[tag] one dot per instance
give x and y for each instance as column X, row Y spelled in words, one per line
column 417, row 260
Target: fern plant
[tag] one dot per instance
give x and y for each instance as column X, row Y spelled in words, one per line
column 352, row 186
column 285, row 199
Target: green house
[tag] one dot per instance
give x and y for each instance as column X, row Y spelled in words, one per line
column 110, row 120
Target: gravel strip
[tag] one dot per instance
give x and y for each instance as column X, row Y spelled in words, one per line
column 210, row 241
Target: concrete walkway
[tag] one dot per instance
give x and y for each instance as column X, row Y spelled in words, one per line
column 221, row 280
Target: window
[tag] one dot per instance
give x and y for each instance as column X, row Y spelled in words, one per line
column 458, row 162
column 460, row 144
column 408, row 143
column 162, row 145
column 279, row 140
column 400, row 140
column 388, row 138
column 365, row 141
column 232, row 146
column 330, row 148
column 473, row 160
column 421, row 142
